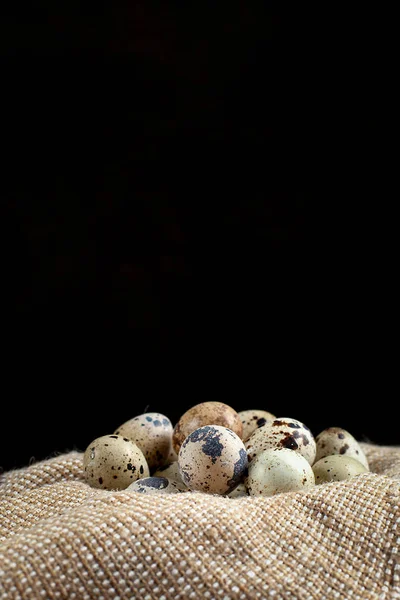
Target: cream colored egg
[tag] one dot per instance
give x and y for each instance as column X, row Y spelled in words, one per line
column 212, row 459
column 206, row 413
column 278, row 470
column 113, row 462
column 337, row 467
column 152, row 432
column 154, row 485
column 335, row 440
column 252, row 420
column 287, row 433
column 172, row 473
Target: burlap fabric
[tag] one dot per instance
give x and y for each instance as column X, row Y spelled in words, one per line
column 63, row 539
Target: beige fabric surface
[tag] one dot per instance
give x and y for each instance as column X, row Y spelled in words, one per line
column 59, row 538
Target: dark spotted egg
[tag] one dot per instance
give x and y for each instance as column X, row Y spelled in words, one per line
column 252, row 420
column 335, row 440
column 154, row 485
column 212, row 459
column 282, row 433
column 113, row 462
column 152, row 432
column 206, row 413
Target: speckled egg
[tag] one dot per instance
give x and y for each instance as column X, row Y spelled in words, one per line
column 335, row 440
column 252, row 420
column 282, row 433
column 238, row 492
column 206, row 413
column 152, row 432
column 113, row 462
column 212, row 459
column 172, row 473
column 278, row 470
column 337, row 467
column 154, row 485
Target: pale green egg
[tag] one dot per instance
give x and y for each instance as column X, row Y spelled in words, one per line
column 278, row 470
column 337, row 467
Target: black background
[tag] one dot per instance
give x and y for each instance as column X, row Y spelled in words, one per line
column 180, row 188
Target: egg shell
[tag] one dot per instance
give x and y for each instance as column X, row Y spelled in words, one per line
column 238, row 492
column 113, row 462
column 172, row 473
column 154, row 485
column 206, row 413
column 253, row 419
column 287, row 433
column 278, row 470
column 335, row 440
column 212, row 459
column 152, row 432
column 337, row 467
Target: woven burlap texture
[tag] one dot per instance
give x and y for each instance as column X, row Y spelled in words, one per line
column 59, row 538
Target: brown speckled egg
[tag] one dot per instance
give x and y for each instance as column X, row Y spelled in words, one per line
column 252, row 420
column 212, row 459
column 282, row 433
column 335, row 440
column 278, row 470
column 172, row 473
column 337, row 467
column 154, row 485
column 206, row 413
column 113, row 462
column 152, row 432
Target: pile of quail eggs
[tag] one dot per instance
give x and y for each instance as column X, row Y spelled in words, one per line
column 216, row 450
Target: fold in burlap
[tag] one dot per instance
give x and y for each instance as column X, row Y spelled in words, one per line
column 59, row 538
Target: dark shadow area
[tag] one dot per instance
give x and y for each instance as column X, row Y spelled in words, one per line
column 171, row 182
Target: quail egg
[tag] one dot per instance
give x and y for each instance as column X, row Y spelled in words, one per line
column 113, row 462
column 282, row 433
column 252, row 420
column 154, row 485
column 206, row 413
column 278, row 470
column 337, row 467
column 212, row 459
column 152, row 432
column 335, row 440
